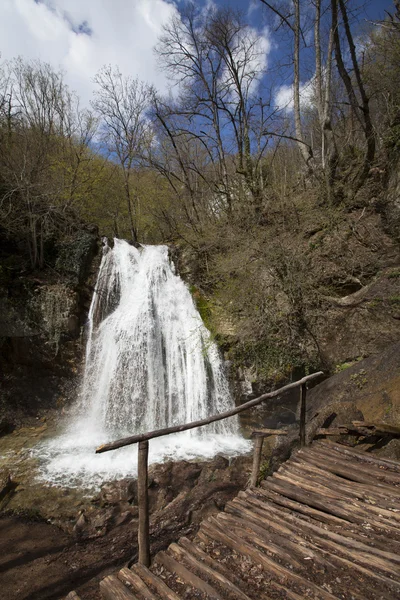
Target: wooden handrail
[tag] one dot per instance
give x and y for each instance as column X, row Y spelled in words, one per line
column 143, row 451
column 134, row 439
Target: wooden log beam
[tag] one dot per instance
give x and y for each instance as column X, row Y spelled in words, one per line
column 393, row 465
column 354, row 489
column 345, row 468
column 258, row 444
column 268, row 432
column 281, row 518
column 222, row 568
column 334, row 524
column 216, row 531
column 303, row 395
column 155, row 582
column 133, row 581
column 360, row 428
column 191, row 579
column 143, row 504
column 210, row 573
column 111, row 588
column 361, row 555
column 134, row 439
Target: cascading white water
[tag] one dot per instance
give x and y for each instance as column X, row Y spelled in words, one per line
column 150, row 363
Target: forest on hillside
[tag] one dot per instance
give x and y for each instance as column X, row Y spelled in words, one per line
column 281, row 209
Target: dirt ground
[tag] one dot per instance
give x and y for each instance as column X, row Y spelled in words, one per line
column 40, row 562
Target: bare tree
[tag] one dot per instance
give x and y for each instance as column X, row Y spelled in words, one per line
column 216, row 62
column 44, row 138
column 121, row 104
column 357, row 95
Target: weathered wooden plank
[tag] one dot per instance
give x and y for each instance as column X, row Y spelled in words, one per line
column 332, row 431
column 155, row 582
column 143, row 504
column 370, row 473
column 344, row 510
column 233, row 574
column 134, row 582
column 390, row 517
column 297, row 462
column 134, row 439
column 303, row 396
column 258, row 444
column 215, row 531
column 229, row 588
column 346, row 488
column 368, row 512
column 205, row 558
column 111, row 588
column 285, row 537
column 356, row 560
column 256, row 535
column 349, row 471
column 359, row 428
column 334, row 542
column 280, row 500
column 190, row 578
column 360, row 455
column 268, row 432
column 335, row 523
column 379, row 428
column 370, row 470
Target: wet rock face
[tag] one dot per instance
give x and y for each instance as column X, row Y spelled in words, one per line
column 180, row 495
column 368, row 390
column 41, row 316
column 76, row 255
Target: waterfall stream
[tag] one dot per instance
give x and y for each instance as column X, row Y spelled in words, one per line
column 150, row 363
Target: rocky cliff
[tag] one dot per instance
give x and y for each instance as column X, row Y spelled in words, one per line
column 41, row 318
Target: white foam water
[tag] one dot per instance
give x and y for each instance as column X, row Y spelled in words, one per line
column 150, row 363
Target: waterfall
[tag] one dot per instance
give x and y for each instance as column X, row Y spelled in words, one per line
column 150, row 363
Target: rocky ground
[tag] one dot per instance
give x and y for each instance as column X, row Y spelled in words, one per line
column 96, row 534
column 55, row 540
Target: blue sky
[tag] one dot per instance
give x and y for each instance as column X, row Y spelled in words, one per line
column 79, row 36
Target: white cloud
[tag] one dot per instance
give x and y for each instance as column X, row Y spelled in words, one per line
column 252, row 48
column 284, row 96
column 80, row 36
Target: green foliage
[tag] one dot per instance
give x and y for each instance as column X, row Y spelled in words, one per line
column 360, row 379
column 264, row 469
column 203, row 305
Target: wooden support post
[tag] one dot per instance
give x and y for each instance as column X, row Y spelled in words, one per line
column 303, row 393
column 258, row 444
column 143, row 502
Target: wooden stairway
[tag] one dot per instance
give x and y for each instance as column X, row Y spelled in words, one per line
column 325, row 526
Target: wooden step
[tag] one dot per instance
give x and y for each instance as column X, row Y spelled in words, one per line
column 188, row 577
column 111, row 588
column 369, row 475
column 135, row 583
column 210, row 574
column 215, row 530
column 155, row 583
column 334, row 543
column 356, row 454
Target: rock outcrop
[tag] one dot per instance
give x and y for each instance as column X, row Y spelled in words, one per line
column 41, row 319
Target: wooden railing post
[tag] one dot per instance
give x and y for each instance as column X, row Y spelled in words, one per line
column 143, row 502
column 258, row 444
column 303, row 394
